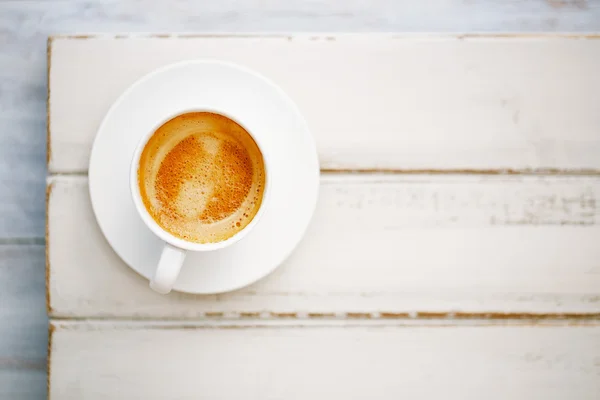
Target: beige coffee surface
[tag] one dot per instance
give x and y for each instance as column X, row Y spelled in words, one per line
column 201, row 177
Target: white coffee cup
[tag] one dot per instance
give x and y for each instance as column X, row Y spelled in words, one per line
column 175, row 249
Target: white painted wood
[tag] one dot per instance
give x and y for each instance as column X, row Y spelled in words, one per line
column 372, row 101
column 380, row 243
column 324, row 362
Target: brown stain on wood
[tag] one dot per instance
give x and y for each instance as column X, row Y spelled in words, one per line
column 51, row 330
column 430, row 324
column 432, row 315
column 48, row 69
column 359, row 315
column 214, row 314
column 249, row 315
column 448, row 317
column 393, row 315
column 500, row 171
column 284, row 315
column 526, row 316
column 492, row 315
column 383, row 315
column 49, row 188
column 320, row 315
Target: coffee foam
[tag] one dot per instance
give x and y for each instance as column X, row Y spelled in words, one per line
column 201, row 177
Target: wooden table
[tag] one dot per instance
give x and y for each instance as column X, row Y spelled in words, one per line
column 483, row 241
column 454, row 236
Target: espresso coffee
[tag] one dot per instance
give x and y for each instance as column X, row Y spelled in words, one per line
column 201, row 177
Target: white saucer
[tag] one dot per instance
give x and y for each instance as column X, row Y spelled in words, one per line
column 266, row 111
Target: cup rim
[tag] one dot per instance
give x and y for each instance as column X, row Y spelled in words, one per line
column 154, row 226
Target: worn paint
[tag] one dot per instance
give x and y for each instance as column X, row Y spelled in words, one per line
column 48, row 69
column 249, row 315
column 214, row 314
column 491, row 35
column 527, row 316
column 51, row 330
column 501, row 171
column 393, row 315
column 284, row 315
column 320, row 315
column 374, row 316
column 49, row 188
column 359, row 315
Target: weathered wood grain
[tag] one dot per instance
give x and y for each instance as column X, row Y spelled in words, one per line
column 377, row 244
column 23, row 322
column 99, row 361
column 372, row 102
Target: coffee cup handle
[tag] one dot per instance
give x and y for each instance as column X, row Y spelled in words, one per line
column 169, row 265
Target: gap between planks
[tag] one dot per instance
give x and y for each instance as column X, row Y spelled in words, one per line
column 327, row 36
column 90, row 324
column 380, row 171
column 418, row 317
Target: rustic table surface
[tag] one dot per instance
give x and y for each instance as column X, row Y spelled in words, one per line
column 454, row 250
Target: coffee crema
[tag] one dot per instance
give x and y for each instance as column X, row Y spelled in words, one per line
column 201, row 177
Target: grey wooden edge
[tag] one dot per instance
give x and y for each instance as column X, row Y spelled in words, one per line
column 23, row 322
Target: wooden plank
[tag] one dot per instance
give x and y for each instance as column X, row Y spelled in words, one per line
column 101, row 361
column 23, row 384
column 377, row 245
column 511, row 103
column 22, row 175
column 24, row 324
